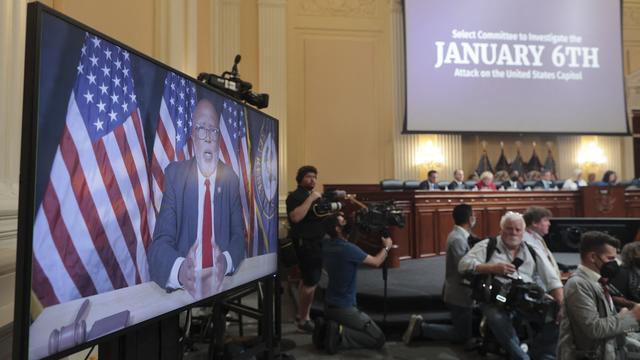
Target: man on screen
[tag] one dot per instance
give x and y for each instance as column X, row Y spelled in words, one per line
column 200, row 221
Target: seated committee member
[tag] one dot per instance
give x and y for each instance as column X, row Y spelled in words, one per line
column 546, row 181
column 514, row 182
column 627, row 281
column 591, row 328
column 458, row 181
column 432, row 181
column 307, row 233
column 486, row 181
column 457, row 297
column 509, row 246
column 199, row 225
column 346, row 327
column 574, row 182
column 610, row 178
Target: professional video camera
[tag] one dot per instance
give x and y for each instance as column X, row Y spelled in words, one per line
column 329, row 203
column 527, row 298
column 377, row 217
column 231, row 84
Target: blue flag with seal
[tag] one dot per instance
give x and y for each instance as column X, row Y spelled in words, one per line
column 264, row 155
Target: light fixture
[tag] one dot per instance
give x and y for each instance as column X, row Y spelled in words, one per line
column 429, row 156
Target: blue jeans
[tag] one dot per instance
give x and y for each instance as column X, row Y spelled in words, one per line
column 501, row 322
column 458, row 332
column 358, row 330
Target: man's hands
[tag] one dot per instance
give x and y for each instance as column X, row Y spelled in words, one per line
column 220, row 268
column 387, row 242
column 503, row 268
column 496, row 268
column 187, row 272
column 635, row 311
column 314, row 196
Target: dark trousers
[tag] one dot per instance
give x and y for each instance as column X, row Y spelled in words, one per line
column 358, row 330
column 458, row 332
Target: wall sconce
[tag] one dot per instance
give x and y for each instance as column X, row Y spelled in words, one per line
column 429, row 156
column 591, row 157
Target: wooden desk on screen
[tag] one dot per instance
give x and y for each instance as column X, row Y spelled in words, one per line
column 429, row 220
column 144, row 301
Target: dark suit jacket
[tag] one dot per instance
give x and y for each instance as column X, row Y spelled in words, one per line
column 507, row 185
column 540, row 184
column 426, row 185
column 455, row 186
column 177, row 222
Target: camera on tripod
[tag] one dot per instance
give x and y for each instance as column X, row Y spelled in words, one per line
column 231, row 84
column 378, row 217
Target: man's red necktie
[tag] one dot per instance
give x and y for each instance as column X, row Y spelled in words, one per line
column 603, row 282
column 207, row 253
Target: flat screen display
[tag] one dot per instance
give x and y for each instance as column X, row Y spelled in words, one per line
column 544, row 66
column 150, row 190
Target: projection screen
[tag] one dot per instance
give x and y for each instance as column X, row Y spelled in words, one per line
column 545, row 66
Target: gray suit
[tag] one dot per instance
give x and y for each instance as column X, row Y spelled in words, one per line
column 591, row 328
column 457, row 246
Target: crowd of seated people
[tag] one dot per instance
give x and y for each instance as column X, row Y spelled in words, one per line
column 514, row 180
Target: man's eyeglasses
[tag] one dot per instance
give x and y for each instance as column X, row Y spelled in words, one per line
column 203, row 133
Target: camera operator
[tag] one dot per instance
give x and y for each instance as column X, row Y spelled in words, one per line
column 307, row 233
column 591, row 327
column 510, row 250
column 457, row 297
column 346, row 327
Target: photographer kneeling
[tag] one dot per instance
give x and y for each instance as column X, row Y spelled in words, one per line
column 509, row 257
column 346, row 327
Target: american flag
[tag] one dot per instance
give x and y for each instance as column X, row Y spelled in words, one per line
column 234, row 151
column 94, row 224
column 173, row 134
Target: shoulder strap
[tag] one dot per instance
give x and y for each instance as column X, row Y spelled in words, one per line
column 491, row 248
column 533, row 253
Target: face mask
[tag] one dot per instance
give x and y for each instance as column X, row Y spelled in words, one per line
column 514, row 178
column 609, row 269
column 472, row 221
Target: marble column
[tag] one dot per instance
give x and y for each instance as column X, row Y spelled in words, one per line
column 12, row 47
column 272, row 69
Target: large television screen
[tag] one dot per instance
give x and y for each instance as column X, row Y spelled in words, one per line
column 544, row 66
column 142, row 190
